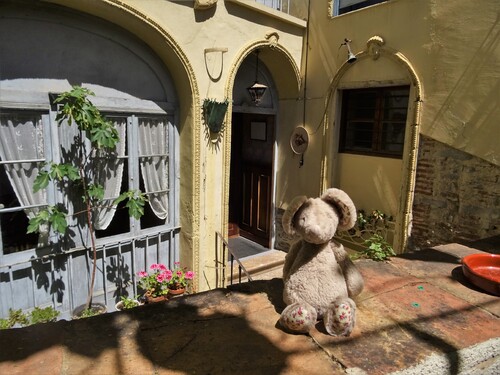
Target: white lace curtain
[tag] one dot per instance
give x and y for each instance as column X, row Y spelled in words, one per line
column 110, row 174
column 153, row 159
column 107, row 169
column 21, row 138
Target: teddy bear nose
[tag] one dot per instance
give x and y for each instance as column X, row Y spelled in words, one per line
column 312, row 229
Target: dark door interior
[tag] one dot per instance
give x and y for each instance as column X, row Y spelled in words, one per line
column 251, row 176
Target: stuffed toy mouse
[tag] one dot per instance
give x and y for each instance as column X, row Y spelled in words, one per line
column 319, row 278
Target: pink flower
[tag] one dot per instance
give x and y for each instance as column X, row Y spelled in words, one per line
column 189, row 275
column 177, row 263
column 169, row 273
column 160, row 277
column 142, row 274
column 154, row 266
column 179, row 273
column 162, row 267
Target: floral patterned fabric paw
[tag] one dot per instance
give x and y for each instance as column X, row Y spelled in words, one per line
column 298, row 317
column 339, row 319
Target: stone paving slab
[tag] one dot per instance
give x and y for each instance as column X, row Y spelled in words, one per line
column 403, row 319
column 442, row 267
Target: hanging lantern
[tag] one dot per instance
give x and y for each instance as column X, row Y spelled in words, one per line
column 257, row 90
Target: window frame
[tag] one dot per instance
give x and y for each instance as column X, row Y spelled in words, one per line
column 377, row 120
column 52, row 154
column 351, row 6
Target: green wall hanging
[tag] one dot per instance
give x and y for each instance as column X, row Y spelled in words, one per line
column 214, row 113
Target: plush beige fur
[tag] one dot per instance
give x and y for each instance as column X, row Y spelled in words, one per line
column 317, row 270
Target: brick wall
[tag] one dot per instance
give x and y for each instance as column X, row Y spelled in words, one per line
column 457, row 197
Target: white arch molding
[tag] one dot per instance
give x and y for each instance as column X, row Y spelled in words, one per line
column 375, row 48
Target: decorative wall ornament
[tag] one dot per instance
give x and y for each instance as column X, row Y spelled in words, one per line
column 204, row 4
column 212, row 58
column 299, row 140
column 214, row 113
column 273, row 38
column 374, row 44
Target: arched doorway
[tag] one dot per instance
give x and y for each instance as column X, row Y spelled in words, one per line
column 252, row 155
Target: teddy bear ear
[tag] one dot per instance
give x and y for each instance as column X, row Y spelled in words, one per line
column 293, row 207
column 345, row 206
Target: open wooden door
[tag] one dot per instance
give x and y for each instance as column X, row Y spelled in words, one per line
column 251, row 179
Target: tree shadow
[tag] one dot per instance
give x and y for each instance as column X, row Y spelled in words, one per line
column 190, row 334
column 193, row 335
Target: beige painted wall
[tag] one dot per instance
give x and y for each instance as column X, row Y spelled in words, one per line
column 373, row 183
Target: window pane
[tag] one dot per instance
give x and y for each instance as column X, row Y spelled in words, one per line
column 120, row 222
column 359, row 136
column 346, row 6
column 373, row 120
column 14, row 224
column 393, row 137
column 154, row 169
column 21, row 139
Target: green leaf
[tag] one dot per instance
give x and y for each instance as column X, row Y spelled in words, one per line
column 57, row 171
column 135, row 208
column 34, row 225
column 135, row 204
column 95, row 191
column 52, row 216
column 58, row 222
column 121, row 198
column 72, row 172
column 41, row 181
column 104, row 135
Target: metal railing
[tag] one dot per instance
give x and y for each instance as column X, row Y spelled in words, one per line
column 232, row 259
column 60, row 279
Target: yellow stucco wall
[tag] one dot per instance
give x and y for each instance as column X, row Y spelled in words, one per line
column 449, row 48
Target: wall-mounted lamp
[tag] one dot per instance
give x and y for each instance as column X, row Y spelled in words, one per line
column 257, row 90
column 351, row 57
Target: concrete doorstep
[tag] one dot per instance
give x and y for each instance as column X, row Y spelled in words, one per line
column 262, row 266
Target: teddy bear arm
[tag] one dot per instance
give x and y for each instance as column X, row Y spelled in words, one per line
column 290, row 258
column 354, row 280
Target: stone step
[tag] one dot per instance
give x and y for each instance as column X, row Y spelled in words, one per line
column 262, row 266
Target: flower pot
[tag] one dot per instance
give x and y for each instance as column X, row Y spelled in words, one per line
column 152, row 299
column 97, row 309
column 176, row 292
column 119, row 305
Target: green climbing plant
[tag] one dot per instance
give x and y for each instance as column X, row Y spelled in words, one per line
column 74, row 106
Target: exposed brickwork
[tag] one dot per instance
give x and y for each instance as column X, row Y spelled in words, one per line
column 457, row 196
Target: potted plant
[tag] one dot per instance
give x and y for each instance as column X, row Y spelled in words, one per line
column 179, row 281
column 96, row 138
column 127, row 303
column 214, row 113
column 162, row 282
column 17, row 318
column 155, row 283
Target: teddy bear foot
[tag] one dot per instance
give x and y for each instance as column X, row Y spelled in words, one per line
column 340, row 317
column 298, row 317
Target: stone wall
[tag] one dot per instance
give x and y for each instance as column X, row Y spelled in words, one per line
column 283, row 240
column 457, row 197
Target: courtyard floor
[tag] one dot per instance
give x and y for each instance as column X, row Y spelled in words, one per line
column 417, row 315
